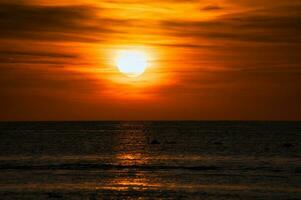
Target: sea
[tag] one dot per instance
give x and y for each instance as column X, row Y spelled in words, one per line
column 150, row 160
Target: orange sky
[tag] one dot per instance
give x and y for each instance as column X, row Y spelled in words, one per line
column 208, row 60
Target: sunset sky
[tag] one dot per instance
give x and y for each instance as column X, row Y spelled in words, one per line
column 207, row 60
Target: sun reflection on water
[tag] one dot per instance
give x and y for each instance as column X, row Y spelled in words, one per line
column 131, row 148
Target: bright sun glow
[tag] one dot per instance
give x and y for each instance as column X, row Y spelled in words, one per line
column 131, row 63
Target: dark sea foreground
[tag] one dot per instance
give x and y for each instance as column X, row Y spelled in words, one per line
column 149, row 160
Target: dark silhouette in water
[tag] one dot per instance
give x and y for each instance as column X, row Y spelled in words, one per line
column 287, row 145
column 54, row 195
column 217, row 143
column 154, row 141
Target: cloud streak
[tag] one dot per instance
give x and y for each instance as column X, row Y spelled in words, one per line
column 54, row 23
column 249, row 27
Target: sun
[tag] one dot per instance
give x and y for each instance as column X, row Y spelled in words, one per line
column 132, row 63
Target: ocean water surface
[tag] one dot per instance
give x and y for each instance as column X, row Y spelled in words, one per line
column 149, row 160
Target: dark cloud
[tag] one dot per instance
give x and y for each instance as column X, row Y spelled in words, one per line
column 36, row 54
column 257, row 26
column 29, row 17
column 53, row 23
column 19, row 56
column 212, row 8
